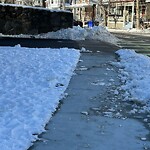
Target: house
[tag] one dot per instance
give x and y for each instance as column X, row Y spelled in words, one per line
column 123, row 14
column 148, row 10
column 83, row 10
column 54, row 4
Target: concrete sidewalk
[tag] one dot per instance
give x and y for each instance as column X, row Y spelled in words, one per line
column 92, row 116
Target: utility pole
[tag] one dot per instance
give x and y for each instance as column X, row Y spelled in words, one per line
column 132, row 14
column 73, row 2
column 104, row 10
column 63, row 5
column 137, row 14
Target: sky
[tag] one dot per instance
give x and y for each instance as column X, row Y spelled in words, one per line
column 33, row 80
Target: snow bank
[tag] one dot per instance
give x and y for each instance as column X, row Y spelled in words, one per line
column 135, row 76
column 32, row 81
column 76, row 33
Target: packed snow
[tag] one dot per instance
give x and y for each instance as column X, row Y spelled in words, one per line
column 32, row 81
column 135, row 76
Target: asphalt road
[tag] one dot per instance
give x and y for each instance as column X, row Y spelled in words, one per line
column 139, row 42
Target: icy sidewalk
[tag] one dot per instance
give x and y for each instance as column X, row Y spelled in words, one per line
column 92, row 116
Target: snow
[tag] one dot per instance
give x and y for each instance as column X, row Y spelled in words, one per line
column 32, row 81
column 77, row 33
column 135, row 76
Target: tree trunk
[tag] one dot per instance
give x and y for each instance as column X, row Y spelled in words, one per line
column 43, row 3
column 104, row 10
column 137, row 15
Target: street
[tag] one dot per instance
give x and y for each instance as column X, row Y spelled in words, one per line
column 140, row 42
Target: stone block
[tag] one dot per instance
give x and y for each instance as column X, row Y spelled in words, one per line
column 30, row 20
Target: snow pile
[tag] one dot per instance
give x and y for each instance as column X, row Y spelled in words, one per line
column 75, row 33
column 78, row 33
column 32, row 81
column 135, row 75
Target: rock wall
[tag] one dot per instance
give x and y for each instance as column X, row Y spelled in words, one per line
column 29, row 20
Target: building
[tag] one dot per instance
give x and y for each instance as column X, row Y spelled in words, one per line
column 83, row 10
column 55, row 4
column 125, row 14
column 148, row 10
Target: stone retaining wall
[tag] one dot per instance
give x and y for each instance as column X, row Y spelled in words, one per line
column 29, row 20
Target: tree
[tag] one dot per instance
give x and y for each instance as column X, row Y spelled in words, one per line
column 137, row 15
column 43, row 3
column 104, row 9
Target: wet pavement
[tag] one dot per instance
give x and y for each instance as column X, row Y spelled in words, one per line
column 92, row 115
column 139, row 42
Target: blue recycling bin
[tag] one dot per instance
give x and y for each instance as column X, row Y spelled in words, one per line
column 90, row 24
